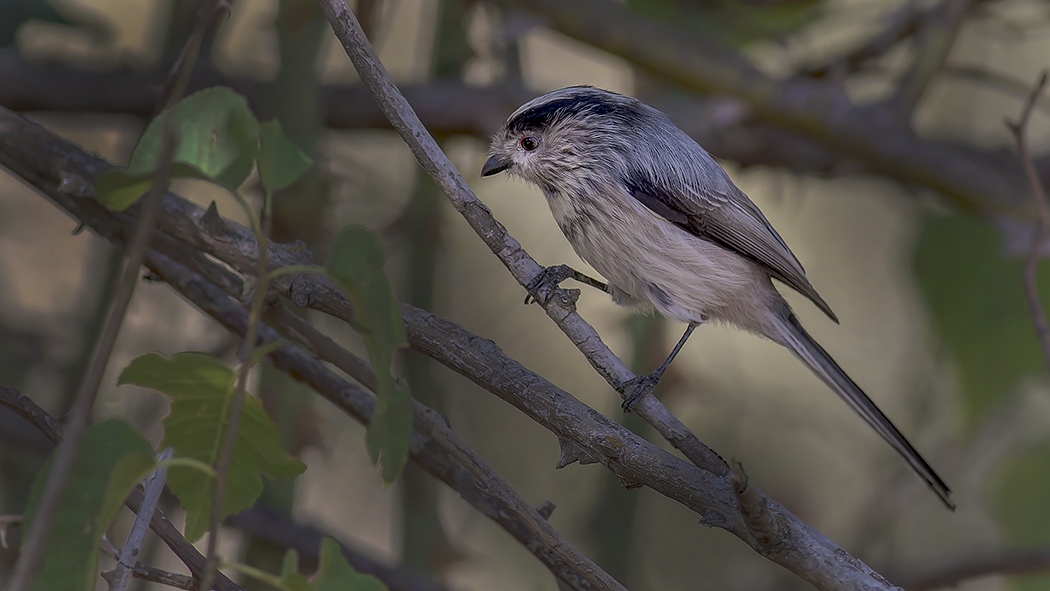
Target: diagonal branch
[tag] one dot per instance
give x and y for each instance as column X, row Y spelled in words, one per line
column 520, row 264
column 63, row 173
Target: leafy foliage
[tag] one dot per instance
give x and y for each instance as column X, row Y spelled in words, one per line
column 218, row 140
column 978, row 304
column 357, row 264
column 1023, row 487
column 112, row 458
column 334, row 573
column 281, row 163
column 201, row 390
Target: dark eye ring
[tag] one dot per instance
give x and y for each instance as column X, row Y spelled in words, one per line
column 530, row 143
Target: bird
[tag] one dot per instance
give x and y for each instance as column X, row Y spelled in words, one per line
column 651, row 211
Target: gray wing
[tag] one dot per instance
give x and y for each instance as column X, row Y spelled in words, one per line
column 730, row 219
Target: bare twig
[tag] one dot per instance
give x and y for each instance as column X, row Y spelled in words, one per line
column 429, row 422
column 27, row 409
column 522, row 266
column 32, row 551
column 263, row 524
column 934, row 42
column 490, row 497
column 222, row 466
column 1005, row 83
column 1035, row 305
column 63, row 172
column 126, row 561
column 156, row 575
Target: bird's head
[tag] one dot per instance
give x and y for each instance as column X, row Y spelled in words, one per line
column 559, row 139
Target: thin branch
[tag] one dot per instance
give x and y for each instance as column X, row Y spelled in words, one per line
column 521, row 266
column 935, row 40
column 222, row 466
column 1035, row 304
column 434, row 425
column 33, row 548
column 185, row 551
column 1004, row 83
column 62, row 172
column 263, row 524
column 126, row 562
column 488, row 497
column 156, row 575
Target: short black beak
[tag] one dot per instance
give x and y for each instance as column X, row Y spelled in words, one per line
column 494, row 166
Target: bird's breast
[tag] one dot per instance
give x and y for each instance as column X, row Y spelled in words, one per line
column 683, row 276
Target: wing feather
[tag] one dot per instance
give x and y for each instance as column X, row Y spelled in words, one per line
column 730, row 219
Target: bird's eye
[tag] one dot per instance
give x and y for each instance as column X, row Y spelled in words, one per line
column 530, row 143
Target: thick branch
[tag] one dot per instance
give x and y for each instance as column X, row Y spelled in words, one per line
column 63, row 173
column 725, row 127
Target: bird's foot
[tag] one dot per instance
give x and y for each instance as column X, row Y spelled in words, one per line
column 547, row 285
column 636, row 388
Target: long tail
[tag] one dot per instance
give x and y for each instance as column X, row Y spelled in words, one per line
column 803, row 345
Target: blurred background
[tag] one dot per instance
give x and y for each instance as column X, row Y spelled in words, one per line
column 933, row 321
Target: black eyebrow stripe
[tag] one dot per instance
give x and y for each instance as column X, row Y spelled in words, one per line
column 543, row 116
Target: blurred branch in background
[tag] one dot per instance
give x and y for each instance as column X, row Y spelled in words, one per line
column 976, row 567
column 873, row 134
column 1035, row 305
column 725, row 126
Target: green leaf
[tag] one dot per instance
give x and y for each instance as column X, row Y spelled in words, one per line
column 281, row 162
column 357, row 264
column 334, row 573
column 1020, row 505
column 218, row 140
column 111, row 459
column 976, row 297
column 201, row 390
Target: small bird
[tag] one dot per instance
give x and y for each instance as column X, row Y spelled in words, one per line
column 651, row 211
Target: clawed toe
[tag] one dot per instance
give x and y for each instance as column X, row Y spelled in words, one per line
column 636, row 388
column 547, row 284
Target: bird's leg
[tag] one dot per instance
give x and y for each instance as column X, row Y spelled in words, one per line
column 546, row 283
column 636, row 388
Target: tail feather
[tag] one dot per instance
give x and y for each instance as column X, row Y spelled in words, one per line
column 803, row 345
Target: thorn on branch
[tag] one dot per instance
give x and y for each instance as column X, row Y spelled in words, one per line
column 572, row 452
column 754, row 507
column 545, row 509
